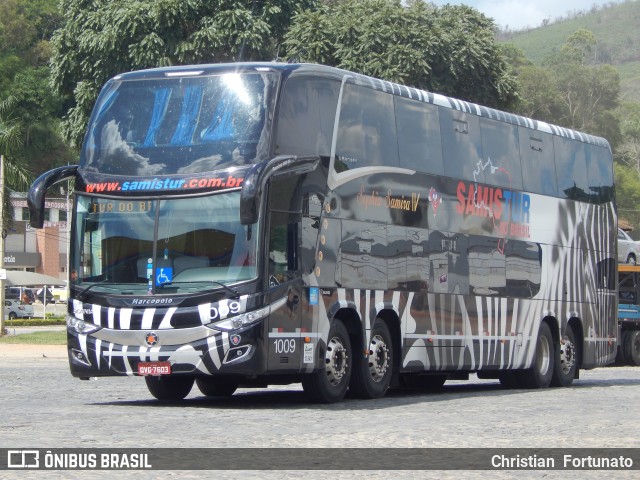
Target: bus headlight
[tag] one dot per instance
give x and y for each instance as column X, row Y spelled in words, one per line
column 80, row 326
column 241, row 320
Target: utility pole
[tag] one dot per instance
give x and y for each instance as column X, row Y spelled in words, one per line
column 2, row 235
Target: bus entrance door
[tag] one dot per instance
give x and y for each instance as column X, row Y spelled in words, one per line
column 284, row 327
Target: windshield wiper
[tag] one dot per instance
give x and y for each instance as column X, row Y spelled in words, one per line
column 232, row 291
column 103, row 283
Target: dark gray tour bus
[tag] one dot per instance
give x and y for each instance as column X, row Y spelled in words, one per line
column 262, row 223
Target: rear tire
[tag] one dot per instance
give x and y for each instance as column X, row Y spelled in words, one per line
column 329, row 384
column 566, row 360
column 169, row 388
column 540, row 373
column 632, row 347
column 216, row 387
column 12, row 315
column 510, row 378
column 621, row 359
column 372, row 374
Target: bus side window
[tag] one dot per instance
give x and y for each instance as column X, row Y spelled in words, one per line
column 538, row 165
column 571, row 168
column 367, row 130
column 419, row 144
column 500, row 147
column 462, row 145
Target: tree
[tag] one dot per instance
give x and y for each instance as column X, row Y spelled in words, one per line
column 102, row 38
column 570, row 91
column 25, row 28
column 449, row 50
column 11, row 139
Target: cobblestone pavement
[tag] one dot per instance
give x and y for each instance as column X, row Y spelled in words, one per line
column 44, row 407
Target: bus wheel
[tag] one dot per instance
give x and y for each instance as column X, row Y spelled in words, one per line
column 621, row 358
column 540, row 373
column 566, row 362
column 510, row 378
column 632, row 347
column 216, row 387
column 330, row 383
column 372, row 373
column 169, row 387
column 423, row 382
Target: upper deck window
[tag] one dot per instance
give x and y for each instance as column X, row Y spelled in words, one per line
column 179, row 125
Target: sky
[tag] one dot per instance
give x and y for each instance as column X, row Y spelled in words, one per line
column 519, row 14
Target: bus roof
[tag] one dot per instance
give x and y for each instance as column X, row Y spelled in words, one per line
column 393, row 88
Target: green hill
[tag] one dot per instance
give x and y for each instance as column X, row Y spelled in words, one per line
column 617, row 29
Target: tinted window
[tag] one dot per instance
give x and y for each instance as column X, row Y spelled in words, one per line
column 306, row 116
column 283, row 260
column 600, row 173
column 363, row 255
column 461, row 145
column 367, row 131
column 419, row 142
column 571, row 168
column 501, row 151
column 538, row 164
column 179, row 125
column 523, row 268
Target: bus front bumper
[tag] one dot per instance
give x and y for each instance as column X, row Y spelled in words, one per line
column 190, row 351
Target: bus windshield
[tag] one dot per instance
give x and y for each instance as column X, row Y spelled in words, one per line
column 135, row 247
column 179, row 125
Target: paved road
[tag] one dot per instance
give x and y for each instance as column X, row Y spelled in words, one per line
column 44, row 407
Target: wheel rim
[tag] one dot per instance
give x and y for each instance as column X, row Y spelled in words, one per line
column 378, row 358
column 336, row 360
column 543, row 355
column 635, row 346
column 567, row 355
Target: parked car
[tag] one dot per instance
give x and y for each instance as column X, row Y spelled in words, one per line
column 628, row 249
column 14, row 309
column 19, row 293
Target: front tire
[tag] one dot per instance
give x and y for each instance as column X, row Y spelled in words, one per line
column 632, row 347
column 216, row 387
column 422, row 382
column 566, row 361
column 169, row 388
column 12, row 315
column 372, row 374
column 540, row 373
column 329, row 384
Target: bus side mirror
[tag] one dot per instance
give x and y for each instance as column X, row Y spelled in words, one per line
column 37, row 192
column 258, row 175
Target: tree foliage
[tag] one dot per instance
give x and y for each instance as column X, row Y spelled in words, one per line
column 449, row 50
column 29, row 105
column 102, row 38
column 571, row 91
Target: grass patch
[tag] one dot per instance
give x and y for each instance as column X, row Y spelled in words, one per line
column 37, row 338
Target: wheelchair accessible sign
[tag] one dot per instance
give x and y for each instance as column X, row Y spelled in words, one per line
column 164, row 275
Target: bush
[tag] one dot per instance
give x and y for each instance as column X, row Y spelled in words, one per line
column 35, row 322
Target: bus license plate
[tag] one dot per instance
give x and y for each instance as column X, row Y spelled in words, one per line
column 154, row 368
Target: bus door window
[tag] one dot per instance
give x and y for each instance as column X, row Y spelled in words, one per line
column 283, row 258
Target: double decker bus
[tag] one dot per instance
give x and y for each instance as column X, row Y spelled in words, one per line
column 261, row 223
